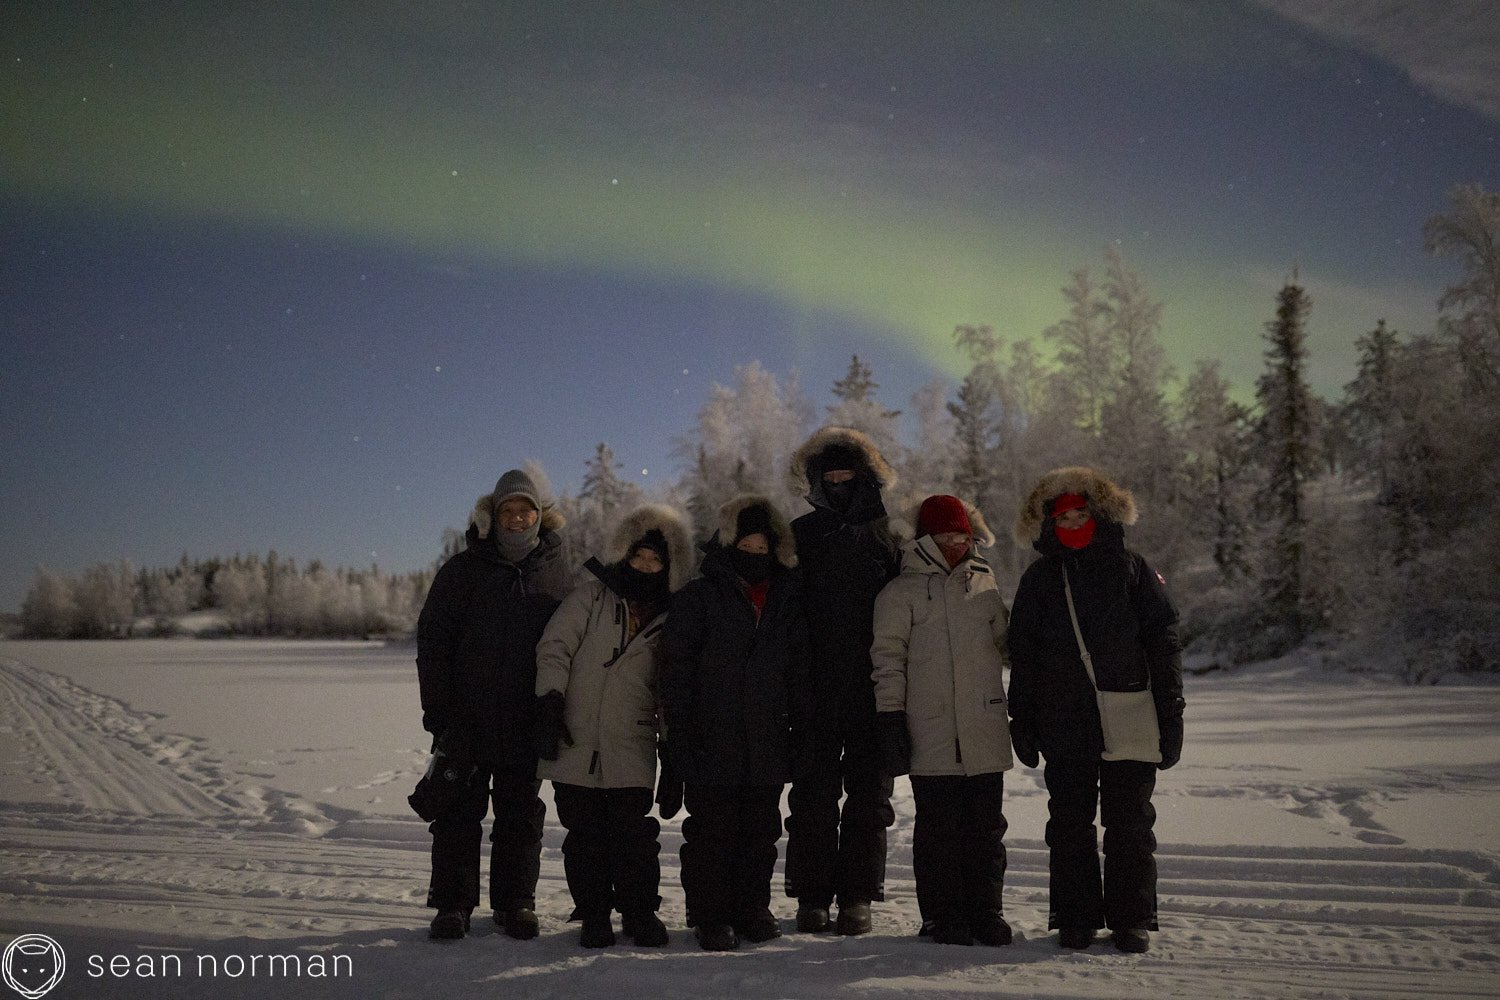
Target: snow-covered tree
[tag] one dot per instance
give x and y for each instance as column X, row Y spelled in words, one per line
column 1285, row 439
column 858, row 408
column 1088, row 364
column 929, row 466
column 602, row 501
column 743, row 442
column 1214, row 466
column 1470, row 231
column 49, row 610
column 979, row 414
column 1135, row 431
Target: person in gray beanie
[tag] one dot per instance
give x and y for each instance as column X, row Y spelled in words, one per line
column 476, row 665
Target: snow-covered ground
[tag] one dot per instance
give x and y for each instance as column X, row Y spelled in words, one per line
column 191, row 804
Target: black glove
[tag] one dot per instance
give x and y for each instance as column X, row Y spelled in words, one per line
column 1171, row 741
column 449, row 775
column 668, row 792
column 1023, row 741
column 550, row 729
column 895, row 743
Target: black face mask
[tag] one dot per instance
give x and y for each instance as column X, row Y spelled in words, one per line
column 840, row 495
column 855, row 500
column 752, row 567
column 650, row 588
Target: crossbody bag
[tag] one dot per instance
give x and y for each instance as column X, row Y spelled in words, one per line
column 1127, row 718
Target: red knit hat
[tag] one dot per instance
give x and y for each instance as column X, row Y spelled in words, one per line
column 1068, row 501
column 941, row 514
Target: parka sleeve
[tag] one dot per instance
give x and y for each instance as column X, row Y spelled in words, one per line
column 889, row 651
column 681, row 644
column 439, row 627
column 1000, row 630
column 1022, row 640
column 562, row 638
column 1160, row 637
column 799, row 695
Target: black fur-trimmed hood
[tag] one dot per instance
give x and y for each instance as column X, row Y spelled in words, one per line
column 1106, row 500
column 673, row 525
column 847, row 437
column 729, row 514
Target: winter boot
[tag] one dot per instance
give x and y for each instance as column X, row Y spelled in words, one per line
column 1075, row 937
column 597, row 932
column 813, row 919
column 520, row 923
column 717, row 937
column 1134, row 940
column 645, row 929
column 449, row 925
column 951, row 932
column 854, row 918
column 758, row 926
column 991, row 929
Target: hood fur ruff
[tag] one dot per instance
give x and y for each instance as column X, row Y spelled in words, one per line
column 983, row 536
column 796, row 477
column 672, row 524
column 551, row 518
column 1106, row 500
column 729, row 515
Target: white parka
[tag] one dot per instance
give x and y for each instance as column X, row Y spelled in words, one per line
column 607, row 676
column 939, row 656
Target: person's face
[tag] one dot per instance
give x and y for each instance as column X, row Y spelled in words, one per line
column 756, row 544
column 1074, row 518
column 953, row 541
column 516, row 514
column 644, row 560
column 834, row 476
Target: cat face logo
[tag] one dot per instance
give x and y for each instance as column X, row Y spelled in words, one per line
column 33, row 965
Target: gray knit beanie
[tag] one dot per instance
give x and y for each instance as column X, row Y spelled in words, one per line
column 515, row 483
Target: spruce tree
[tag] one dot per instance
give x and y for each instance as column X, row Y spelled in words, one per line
column 977, row 415
column 1285, row 435
column 858, row 408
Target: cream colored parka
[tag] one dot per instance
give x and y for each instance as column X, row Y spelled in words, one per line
column 939, row 656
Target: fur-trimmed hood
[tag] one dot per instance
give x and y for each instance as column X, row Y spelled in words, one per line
column 1106, row 500
column 846, row 437
column 983, row 536
column 482, row 516
column 672, row 523
column 729, row 515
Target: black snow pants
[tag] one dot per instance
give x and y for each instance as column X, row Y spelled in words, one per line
column 1121, row 792
column 611, row 852
column 729, row 851
column 515, row 845
column 958, row 846
column 830, row 853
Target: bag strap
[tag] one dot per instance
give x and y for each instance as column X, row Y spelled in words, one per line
column 1083, row 650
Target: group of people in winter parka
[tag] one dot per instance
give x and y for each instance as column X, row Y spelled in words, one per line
column 832, row 652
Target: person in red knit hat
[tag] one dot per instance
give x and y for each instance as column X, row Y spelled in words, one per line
column 939, row 662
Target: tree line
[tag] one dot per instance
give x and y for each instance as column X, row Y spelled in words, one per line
column 245, row 595
column 1363, row 525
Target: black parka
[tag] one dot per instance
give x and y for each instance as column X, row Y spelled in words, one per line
column 844, row 568
column 476, row 645
column 735, row 690
column 1129, row 625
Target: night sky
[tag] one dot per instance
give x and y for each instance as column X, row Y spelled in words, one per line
column 310, row 276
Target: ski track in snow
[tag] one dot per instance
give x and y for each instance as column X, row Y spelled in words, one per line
column 146, row 841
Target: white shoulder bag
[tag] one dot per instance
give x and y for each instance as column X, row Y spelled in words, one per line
column 1128, row 718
